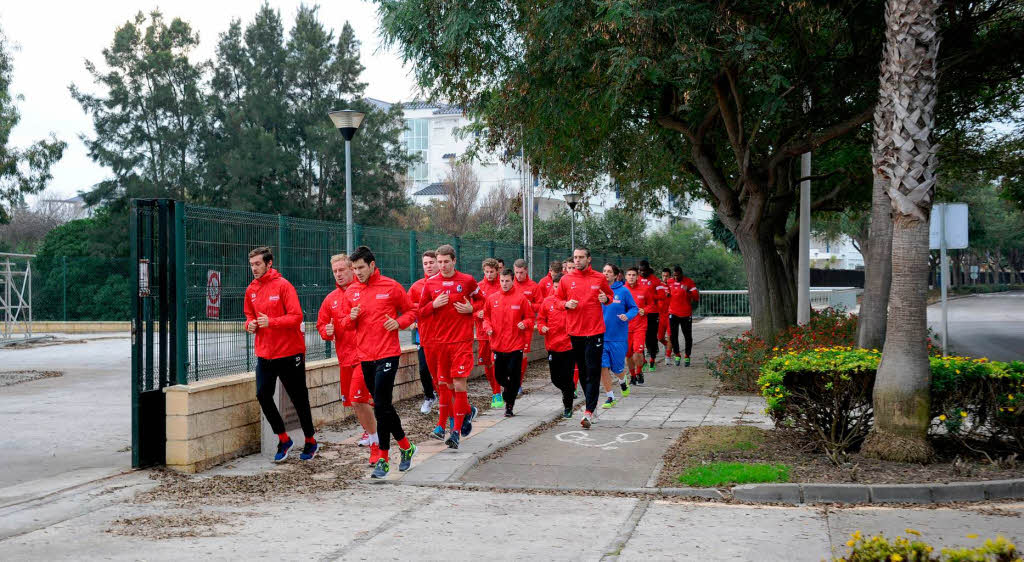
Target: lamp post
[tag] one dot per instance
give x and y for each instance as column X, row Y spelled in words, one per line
column 347, row 121
column 572, row 200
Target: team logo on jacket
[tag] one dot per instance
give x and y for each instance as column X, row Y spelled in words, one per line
column 252, row 297
column 458, row 288
column 274, row 298
column 573, row 285
column 381, row 296
column 595, row 287
column 515, row 307
column 355, row 296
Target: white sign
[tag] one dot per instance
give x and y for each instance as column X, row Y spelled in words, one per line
column 974, row 272
column 580, row 438
column 144, row 278
column 212, row 294
column 955, row 221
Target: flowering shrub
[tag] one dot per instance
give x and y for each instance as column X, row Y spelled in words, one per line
column 826, row 393
column 739, row 364
column 900, row 549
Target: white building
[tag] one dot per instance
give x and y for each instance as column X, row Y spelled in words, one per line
column 436, row 131
column 837, row 254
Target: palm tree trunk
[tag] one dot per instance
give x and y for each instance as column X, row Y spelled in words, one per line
column 901, row 395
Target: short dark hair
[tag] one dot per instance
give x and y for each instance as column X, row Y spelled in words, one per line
column 264, row 252
column 677, row 271
column 500, row 261
column 430, row 254
column 507, row 273
column 644, row 264
column 633, row 268
column 555, row 266
column 584, row 248
column 363, row 253
column 666, row 270
column 446, row 250
column 519, row 263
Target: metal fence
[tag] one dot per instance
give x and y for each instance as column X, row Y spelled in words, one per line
column 737, row 303
column 81, row 288
column 219, row 241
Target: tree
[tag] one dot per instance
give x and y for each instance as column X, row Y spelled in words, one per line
column 906, row 164
column 22, row 171
column 453, row 214
column 28, row 226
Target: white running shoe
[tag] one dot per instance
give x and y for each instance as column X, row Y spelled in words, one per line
column 364, row 440
column 427, row 405
column 668, row 360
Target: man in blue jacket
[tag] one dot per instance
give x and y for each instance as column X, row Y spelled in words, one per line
column 617, row 314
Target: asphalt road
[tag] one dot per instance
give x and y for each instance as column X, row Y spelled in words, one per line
column 990, row 325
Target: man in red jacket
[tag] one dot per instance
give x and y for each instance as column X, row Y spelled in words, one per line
column 584, row 292
column 274, row 315
column 654, row 317
column 354, row 393
column 684, row 295
column 551, row 324
column 546, row 282
column 531, row 290
column 489, row 284
column 427, row 381
column 376, row 307
column 448, row 301
column 666, row 278
column 508, row 321
column 638, row 326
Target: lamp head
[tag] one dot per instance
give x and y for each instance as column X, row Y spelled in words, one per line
column 572, row 200
column 347, row 121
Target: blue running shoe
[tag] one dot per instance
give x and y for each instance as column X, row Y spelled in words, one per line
column 467, row 422
column 282, row 450
column 381, row 470
column 438, row 433
column 453, row 440
column 406, row 457
column 451, row 423
column 309, row 450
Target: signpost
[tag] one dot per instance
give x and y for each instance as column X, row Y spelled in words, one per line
column 947, row 229
column 213, row 294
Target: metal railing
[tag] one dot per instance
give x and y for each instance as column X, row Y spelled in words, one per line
column 737, row 303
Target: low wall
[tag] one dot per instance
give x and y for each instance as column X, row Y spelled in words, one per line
column 213, row 421
column 84, row 327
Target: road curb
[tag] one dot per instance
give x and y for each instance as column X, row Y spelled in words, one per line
column 880, row 493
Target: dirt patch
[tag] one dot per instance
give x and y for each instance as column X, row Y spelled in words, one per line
column 8, row 378
column 196, row 524
column 697, row 445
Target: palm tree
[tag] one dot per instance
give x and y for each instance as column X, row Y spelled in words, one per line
column 906, row 161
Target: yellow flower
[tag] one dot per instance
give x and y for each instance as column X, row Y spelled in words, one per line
column 1010, row 397
column 958, row 371
column 1009, row 409
column 850, row 543
column 942, row 417
column 913, row 532
column 963, row 414
column 972, row 535
column 897, row 558
column 856, row 535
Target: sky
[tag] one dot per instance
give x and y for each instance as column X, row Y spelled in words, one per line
column 52, row 41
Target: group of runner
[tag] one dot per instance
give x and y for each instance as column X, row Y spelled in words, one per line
column 595, row 325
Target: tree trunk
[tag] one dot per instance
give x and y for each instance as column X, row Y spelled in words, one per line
column 877, row 267
column 772, row 293
column 902, row 396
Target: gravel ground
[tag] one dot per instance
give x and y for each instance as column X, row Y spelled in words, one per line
column 809, row 465
column 7, row 378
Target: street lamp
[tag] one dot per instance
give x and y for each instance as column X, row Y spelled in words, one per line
column 347, row 121
column 572, row 200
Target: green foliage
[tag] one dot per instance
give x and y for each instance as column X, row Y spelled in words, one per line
column 825, row 392
column 878, row 548
column 23, row 171
column 721, row 473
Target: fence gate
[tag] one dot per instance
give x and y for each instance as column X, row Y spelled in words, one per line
column 158, row 324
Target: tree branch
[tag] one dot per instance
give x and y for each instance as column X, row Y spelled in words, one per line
column 801, row 146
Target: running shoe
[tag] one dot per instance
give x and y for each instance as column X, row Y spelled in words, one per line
column 438, row 433
column 575, row 393
column 668, row 360
column 467, row 422
column 609, row 402
column 364, row 440
column 453, row 440
column 585, row 422
column 497, row 401
column 427, row 405
column 309, row 451
column 640, row 379
column 567, row 413
column 381, row 469
column 654, row 366
column 508, row 412
column 282, row 450
column 407, row 455
column 686, row 361
column 374, row 453
column 632, row 379
column 678, row 360
column 625, row 388
column 520, row 393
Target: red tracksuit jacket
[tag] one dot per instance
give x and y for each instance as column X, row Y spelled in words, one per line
column 545, row 286
column 531, row 290
column 683, row 294
column 484, row 289
column 660, row 291
column 378, row 298
column 344, row 339
column 502, row 314
column 644, row 297
column 274, row 296
column 587, row 319
column 447, row 325
column 552, row 314
column 415, row 292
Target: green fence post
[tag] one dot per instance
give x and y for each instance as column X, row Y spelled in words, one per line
column 458, row 248
column 180, row 296
column 490, row 249
column 412, row 257
column 64, row 259
column 357, row 236
column 547, row 257
column 282, row 241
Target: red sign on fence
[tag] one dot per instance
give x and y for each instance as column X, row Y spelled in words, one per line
column 213, row 294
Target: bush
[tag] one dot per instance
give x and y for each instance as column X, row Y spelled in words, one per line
column 826, row 394
column 864, row 549
column 739, row 364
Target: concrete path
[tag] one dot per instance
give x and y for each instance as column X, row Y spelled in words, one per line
column 989, row 325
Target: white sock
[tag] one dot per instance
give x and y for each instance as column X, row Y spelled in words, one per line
column 611, row 394
column 374, row 439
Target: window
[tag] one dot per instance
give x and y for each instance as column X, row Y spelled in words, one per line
column 415, row 140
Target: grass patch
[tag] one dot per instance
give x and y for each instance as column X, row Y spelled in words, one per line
column 722, row 438
column 722, row 473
